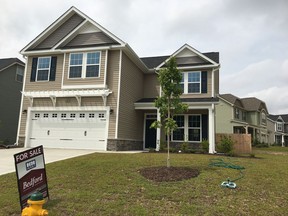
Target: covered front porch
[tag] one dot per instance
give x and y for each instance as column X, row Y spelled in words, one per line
column 194, row 126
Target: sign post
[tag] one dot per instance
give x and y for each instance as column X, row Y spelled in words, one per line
column 31, row 174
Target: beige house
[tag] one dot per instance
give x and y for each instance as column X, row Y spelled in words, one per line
column 242, row 115
column 86, row 88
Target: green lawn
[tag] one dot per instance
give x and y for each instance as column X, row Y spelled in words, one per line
column 110, row 184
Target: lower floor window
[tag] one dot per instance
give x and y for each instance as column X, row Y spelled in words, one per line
column 189, row 128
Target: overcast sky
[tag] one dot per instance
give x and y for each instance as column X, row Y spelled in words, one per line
column 251, row 35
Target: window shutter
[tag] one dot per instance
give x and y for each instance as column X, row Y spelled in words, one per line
column 204, row 126
column 34, row 69
column 204, row 82
column 53, row 68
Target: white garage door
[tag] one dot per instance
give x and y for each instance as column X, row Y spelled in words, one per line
column 76, row 130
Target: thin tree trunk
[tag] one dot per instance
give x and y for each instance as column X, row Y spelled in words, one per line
column 168, row 137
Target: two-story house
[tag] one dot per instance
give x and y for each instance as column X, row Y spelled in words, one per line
column 86, row 88
column 279, row 129
column 11, row 81
column 242, row 115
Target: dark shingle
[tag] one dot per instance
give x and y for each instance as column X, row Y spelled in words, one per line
column 152, row 62
column 9, row 61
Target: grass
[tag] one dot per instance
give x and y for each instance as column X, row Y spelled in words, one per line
column 110, row 184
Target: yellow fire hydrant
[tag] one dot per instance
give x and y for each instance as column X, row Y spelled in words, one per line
column 35, row 203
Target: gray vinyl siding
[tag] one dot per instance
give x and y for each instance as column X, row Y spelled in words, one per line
column 151, row 86
column 224, row 115
column 10, row 97
column 46, row 85
column 112, row 82
column 130, row 121
column 60, row 32
column 88, row 81
column 189, row 60
column 89, row 39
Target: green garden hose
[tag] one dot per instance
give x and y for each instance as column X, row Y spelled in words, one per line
column 219, row 162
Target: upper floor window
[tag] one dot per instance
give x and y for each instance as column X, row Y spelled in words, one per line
column 263, row 118
column 84, row 65
column 19, row 73
column 194, row 82
column 244, row 116
column 279, row 126
column 43, row 69
column 237, row 113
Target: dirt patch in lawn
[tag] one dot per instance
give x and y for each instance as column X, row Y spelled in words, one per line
column 165, row 174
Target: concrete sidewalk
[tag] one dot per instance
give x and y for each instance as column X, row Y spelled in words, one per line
column 7, row 164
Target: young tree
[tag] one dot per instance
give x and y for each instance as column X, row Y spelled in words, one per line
column 169, row 102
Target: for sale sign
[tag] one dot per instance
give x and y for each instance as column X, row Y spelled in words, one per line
column 31, row 174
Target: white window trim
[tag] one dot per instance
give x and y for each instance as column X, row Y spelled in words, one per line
column 84, row 65
column 279, row 126
column 43, row 69
column 186, row 128
column 18, row 74
column 186, row 83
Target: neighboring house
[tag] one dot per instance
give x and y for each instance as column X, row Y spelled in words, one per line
column 242, row 115
column 279, row 128
column 85, row 88
column 11, row 81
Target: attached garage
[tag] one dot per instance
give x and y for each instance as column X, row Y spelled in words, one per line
column 74, row 129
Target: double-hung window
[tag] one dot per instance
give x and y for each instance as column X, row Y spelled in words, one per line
column 194, row 128
column 279, row 126
column 178, row 134
column 191, row 82
column 43, row 69
column 189, row 128
column 83, row 65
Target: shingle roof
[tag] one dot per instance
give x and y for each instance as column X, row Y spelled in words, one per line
column 283, row 116
column 253, row 104
column 229, row 97
column 152, row 62
column 4, row 63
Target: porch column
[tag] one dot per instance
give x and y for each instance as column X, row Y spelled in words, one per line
column 211, row 130
column 158, row 132
column 282, row 141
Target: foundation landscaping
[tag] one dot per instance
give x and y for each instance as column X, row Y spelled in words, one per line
column 126, row 184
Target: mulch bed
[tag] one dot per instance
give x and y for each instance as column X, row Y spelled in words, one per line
column 165, row 174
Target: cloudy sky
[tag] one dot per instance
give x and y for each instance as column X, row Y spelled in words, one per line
column 251, row 35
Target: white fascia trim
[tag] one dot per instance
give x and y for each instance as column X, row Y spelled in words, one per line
column 197, row 67
column 99, row 26
column 193, row 50
column 102, row 86
column 118, row 95
column 14, row 63
column 23, row 52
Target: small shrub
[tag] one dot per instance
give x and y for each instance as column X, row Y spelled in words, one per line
column 205, row 145
column 184, row 147
column 252, row 155
column 225, row 145
column 151, row 149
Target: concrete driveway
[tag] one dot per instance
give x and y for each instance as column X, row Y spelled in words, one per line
column 7, row 164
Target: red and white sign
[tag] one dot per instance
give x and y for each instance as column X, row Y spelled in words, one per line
column 31, row 174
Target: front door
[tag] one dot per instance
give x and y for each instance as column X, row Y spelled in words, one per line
column 150, row 134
